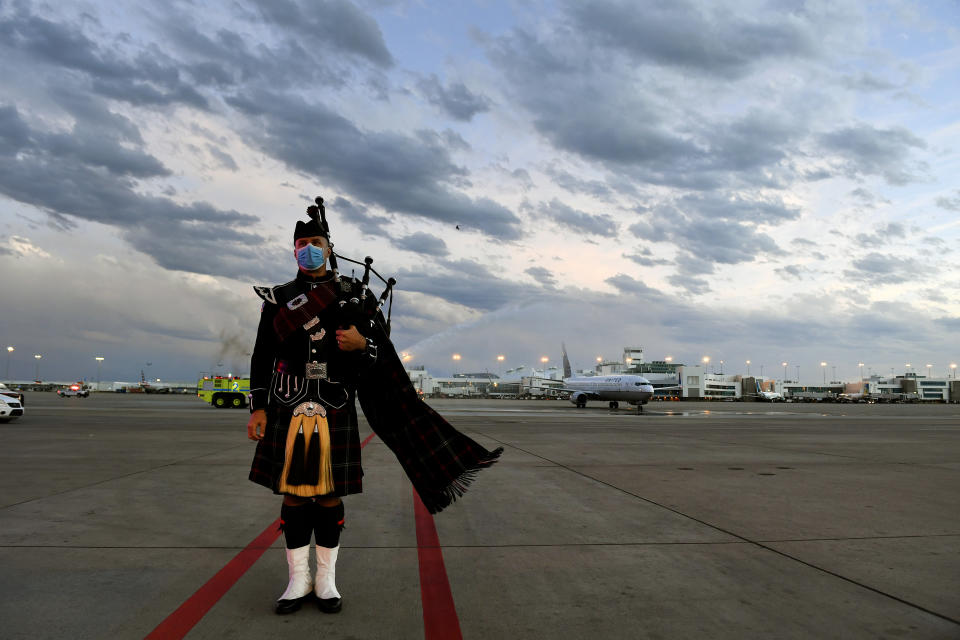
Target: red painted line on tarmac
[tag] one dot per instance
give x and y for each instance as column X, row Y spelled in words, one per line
column 179, row 623
column 440, row 621
column 188, row 614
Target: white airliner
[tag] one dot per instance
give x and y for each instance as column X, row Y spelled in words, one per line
column 768, row 396
column 629, row 388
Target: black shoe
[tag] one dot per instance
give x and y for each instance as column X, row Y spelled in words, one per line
column 289, row 606
column 330, row 605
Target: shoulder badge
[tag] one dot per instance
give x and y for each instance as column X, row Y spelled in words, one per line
column 266, row 294
column 280, row 294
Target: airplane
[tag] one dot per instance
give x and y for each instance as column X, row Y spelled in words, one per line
column 854, row 397
column 629, row 388
column 768, row 396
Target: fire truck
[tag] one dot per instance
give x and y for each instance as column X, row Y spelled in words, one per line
column 224, row 391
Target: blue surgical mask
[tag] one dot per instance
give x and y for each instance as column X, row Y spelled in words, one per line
column 311, row 257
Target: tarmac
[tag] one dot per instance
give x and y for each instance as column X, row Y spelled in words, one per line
column 696, row 520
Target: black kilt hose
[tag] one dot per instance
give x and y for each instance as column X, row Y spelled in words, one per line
column 344, row 450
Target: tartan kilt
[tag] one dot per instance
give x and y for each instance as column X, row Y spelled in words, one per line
column 268, row 459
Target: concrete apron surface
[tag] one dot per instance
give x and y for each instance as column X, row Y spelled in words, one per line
column 726, row 520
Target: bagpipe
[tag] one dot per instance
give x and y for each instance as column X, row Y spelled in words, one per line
column 360, row 309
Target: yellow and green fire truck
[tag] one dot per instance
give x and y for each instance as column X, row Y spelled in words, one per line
column 224, row 391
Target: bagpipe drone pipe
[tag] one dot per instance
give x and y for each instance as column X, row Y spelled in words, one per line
column 358, row 308
column 440, row 462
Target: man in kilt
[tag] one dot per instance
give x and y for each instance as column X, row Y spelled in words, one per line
column 310, row 361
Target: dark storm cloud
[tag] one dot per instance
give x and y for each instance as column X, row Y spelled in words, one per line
column 695, row 286
column 644, row 257
column 149, row 78
column 14, row 132
column 950, row 323
column 713, row 229
column 542, row 275
column 950, row 204
column 403, row 174
column 693, row 36
column 889, row 233
column 338, row 22
column 77, row 177
column 568, row 181
column 868, row 150
column 635, row 135
column 421, row 242
column 790, row 271
column 885, row 269
column 628, row 285
column 468, row 283
column 359, row 216
column 455, row 99
column 733, row 207
column 224, row 159
column 578, row 221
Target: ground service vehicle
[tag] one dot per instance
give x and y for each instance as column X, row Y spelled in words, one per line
column 224, row 391
column 74, row 391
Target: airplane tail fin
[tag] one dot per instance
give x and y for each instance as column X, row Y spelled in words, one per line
column 566, row 362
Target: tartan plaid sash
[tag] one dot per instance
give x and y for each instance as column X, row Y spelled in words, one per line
column 440, row 461
column 314, row 303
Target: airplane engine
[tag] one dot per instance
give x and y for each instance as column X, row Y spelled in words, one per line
column 579, row 398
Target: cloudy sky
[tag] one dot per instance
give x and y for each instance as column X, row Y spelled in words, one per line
column 740, row 179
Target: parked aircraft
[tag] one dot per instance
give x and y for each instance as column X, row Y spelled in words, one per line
column 629, row 388
column 768, row 396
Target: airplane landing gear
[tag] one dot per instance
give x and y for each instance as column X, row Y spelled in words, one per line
column 614, row 404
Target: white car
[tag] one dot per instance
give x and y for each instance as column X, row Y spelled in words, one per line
column 11, row 404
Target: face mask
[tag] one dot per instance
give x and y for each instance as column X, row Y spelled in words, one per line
column 310, row 257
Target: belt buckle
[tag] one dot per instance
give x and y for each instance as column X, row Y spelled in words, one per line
column 316, row 371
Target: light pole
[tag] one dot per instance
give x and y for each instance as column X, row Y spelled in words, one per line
column 928, row 370
column 908, row 365
column 38, row 356
column 954, row 367
column 706, row 363
column 10, row 351
column 748, row 368
column 721, row 367
column 99, row 360
column 500, row 360
column 860, row 364
column 823, row 366
column 456, row 359
column 784, row 371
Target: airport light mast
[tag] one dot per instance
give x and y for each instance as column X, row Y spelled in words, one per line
column 784, row 364
column 38, row 356
column 99, row 360
column 823, row 366
column 10, row 350
column 953, row 366
column 748, row 368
